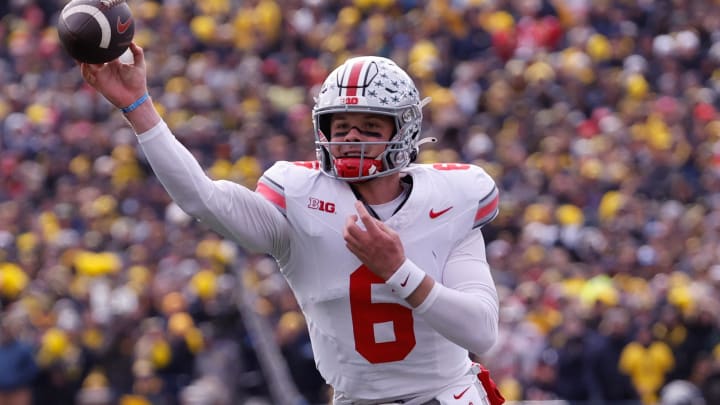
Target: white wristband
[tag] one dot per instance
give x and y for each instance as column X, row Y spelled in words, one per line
column 430, row 299
column 406, row 279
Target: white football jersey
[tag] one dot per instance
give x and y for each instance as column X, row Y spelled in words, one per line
column 366, row 341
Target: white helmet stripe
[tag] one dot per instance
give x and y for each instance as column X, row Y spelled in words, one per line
column 95, row 13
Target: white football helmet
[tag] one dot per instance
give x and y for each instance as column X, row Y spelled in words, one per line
column 369, row 84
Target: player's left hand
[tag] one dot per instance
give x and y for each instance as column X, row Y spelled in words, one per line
column 378, row 246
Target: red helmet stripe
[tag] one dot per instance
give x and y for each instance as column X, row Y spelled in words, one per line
column 354, row 77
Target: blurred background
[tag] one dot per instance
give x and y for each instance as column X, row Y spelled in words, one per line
column 597, row 118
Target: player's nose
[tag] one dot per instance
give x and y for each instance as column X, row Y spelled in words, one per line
column 354, row 135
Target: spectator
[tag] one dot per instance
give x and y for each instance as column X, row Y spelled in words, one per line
column 647, row 362
column 607, row 383
column 19, row 369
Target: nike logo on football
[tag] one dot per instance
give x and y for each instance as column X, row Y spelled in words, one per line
column 123, row 26
column 404, row 283
column 434, row 214
column 458, row 396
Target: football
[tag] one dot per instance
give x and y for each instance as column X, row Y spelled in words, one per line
column 96, row 31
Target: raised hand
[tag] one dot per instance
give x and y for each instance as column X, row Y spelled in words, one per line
column 120, row 83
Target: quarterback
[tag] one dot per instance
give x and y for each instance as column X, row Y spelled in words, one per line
column 385, row 257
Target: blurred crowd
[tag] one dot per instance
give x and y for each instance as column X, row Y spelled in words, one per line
column 597, row 118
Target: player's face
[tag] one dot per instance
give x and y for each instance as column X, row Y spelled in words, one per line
column 360, row 127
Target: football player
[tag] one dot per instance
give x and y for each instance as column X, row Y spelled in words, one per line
column 385, row 257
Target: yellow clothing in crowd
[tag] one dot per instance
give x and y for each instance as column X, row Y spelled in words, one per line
column 647, row 367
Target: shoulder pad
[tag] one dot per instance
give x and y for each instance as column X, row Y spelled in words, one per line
column 271, row 184
column 473, row 182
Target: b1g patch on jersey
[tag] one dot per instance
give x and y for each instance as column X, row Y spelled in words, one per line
column 487, row 208
column 320, row 205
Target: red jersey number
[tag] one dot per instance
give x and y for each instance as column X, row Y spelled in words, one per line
column 365, row 314
column 451, row 166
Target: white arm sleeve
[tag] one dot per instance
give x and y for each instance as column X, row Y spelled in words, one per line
column 464, row 307
column 227, row 207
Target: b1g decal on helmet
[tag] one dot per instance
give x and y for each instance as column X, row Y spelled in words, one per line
column 375, row 85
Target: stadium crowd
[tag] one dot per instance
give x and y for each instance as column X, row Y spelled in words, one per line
column 597, row 118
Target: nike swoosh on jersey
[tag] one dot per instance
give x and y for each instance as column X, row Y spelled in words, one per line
column 434, row 214
column 460, row 395
column 123, row 26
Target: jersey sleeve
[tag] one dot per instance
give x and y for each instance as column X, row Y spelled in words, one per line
column 271, row 185
column 488, row 207
column 474, row 188
column 464, row 307
column 227, row 207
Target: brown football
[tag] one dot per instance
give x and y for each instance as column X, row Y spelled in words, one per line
column 96, row 31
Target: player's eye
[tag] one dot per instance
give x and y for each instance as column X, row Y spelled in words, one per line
column 340, row 126
column 368, row 132
column 339, row 129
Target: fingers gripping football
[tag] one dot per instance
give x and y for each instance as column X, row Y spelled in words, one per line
column 120, row 83
column 377, row 246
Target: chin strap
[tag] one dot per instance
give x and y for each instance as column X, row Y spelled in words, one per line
column 352, row 167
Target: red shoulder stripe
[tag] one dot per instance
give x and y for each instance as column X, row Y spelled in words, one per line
column 271, row 195
column 310, row 164
column 488, row 208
